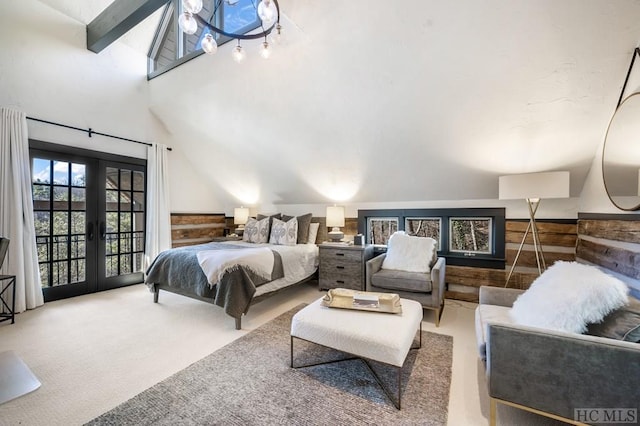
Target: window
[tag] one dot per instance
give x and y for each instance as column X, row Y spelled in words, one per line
column 379, row 229
column 466, row 237
column 424, row 227
column 171, row 47
column 470, row 236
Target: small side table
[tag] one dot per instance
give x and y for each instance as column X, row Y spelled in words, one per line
column 7, row 281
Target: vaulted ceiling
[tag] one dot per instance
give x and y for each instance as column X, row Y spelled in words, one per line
column 372, row 101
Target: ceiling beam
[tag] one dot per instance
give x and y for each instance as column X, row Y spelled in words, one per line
column 117, row 19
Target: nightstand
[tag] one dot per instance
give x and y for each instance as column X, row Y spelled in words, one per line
column 343, row 266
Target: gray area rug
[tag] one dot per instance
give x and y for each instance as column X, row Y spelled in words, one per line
column 249, row 382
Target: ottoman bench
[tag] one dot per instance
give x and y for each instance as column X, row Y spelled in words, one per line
column 377, row 336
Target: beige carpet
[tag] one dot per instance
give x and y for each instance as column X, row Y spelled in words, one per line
column 94, row 352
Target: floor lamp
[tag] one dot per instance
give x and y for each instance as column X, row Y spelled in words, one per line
column 533, row 187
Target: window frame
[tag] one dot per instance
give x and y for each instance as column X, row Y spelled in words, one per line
column 173, row 10
column 494, row 260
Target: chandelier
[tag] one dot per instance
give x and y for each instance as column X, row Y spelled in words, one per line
column 267, row 10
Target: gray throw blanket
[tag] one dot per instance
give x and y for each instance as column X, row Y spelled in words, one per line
column 178, row 268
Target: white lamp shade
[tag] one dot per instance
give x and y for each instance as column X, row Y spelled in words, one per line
column 534, row 186
column 335, row 216
column 240, row 215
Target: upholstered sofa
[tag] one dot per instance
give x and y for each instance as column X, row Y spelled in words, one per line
column 426, row 288
column 557, row 374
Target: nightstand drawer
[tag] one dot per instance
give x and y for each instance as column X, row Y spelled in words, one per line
column 327, row 283
column 341, row 255
column 339, row 266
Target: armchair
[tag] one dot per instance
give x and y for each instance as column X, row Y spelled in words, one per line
column 425, row 288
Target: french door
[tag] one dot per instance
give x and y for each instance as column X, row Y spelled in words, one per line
column 89, row 210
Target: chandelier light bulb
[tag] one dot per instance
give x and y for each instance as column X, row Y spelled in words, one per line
column 238, row 54
column 192, row 6
column 209, row 44
column 267, row 12
column 188, row 23
column 265, row 50
column 276, row 34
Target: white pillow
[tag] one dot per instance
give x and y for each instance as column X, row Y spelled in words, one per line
column 284, row 233
column 256, row 231
column 568, row 296
column 409, row 253
column 313, row 232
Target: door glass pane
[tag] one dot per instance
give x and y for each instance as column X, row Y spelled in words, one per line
column 60, row 273
column 78, row 223
column 44, row 274
column 111, row 264
column 78, row 194
column 60, row 223
column 61, row 198
column 112, row 200
column 78, row 175
column 125, row 179
column 60, row 173
column 138, row 181
column 41, row 170
column 112, row 222
column 138, row 201
column 138, row 222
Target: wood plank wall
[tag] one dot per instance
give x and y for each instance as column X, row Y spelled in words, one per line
column 195, row 228
column 611, row 243
column 558, row 241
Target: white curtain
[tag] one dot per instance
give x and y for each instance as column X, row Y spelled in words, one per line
column 158, row 217
column 16, row 210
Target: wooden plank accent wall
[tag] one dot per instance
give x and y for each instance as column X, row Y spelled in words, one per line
column 611, row 243
column 617, row 230
column 195, row 228
column 558, row 243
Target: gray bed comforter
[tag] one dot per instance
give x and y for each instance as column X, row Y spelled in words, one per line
column 179, row 270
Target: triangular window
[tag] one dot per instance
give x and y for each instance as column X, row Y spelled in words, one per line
column 171, row 47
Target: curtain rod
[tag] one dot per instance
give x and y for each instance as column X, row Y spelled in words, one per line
column 91, row 132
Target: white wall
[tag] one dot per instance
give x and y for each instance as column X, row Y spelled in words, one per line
column 47, row 72
column 594, row 198
column 517, row 209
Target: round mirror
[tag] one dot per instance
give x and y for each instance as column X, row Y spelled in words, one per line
column 621, row 155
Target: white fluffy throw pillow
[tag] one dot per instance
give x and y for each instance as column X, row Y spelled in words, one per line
column 409, row 253
column 568, row 296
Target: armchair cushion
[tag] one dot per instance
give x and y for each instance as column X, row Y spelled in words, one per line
column 409, row 253
column 400, row 280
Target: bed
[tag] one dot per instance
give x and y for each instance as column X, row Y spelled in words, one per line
column 179, row 270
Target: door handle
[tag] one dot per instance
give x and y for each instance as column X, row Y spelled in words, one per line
column 90, row 231
column 103, row 230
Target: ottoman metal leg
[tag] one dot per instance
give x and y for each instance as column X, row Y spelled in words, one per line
column 396, row 402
